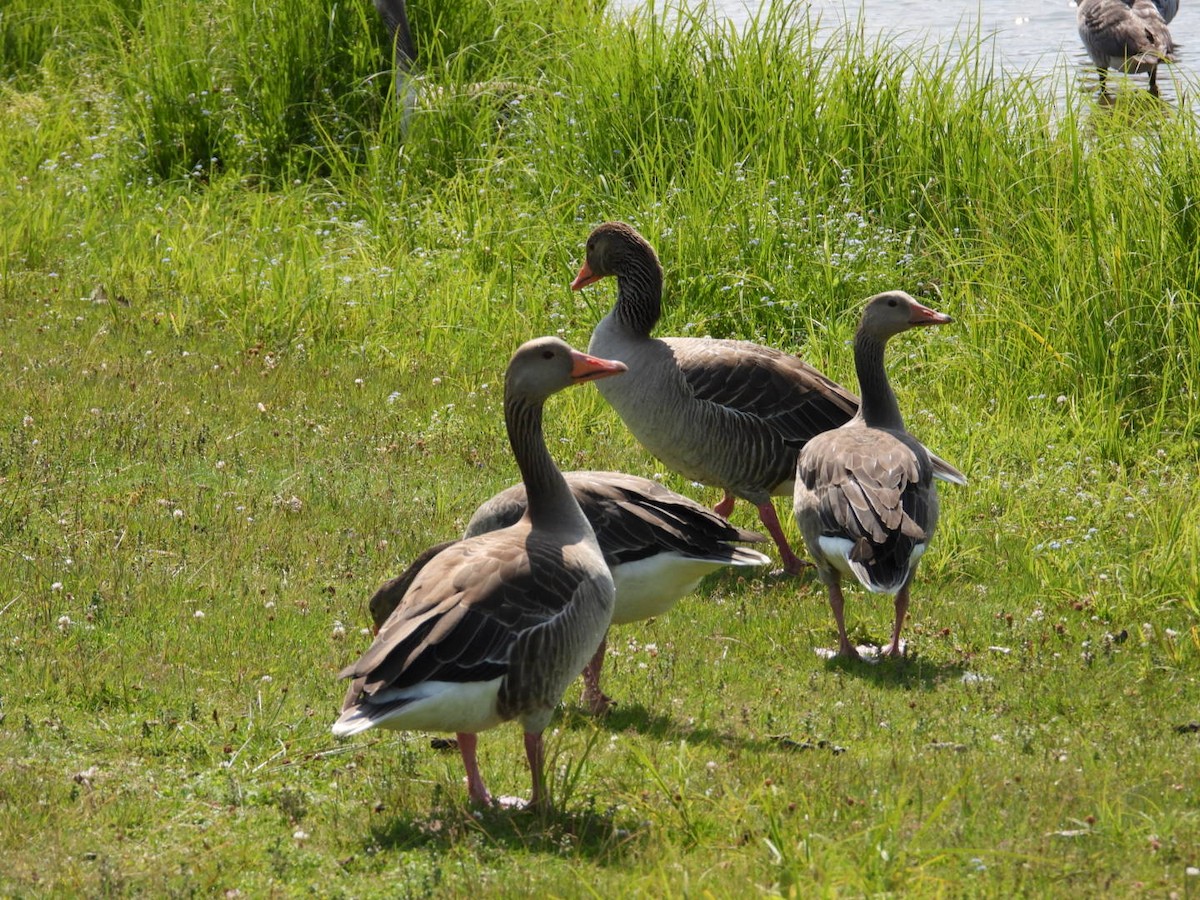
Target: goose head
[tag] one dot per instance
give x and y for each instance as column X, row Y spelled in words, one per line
column 546, row 365
column 892, row 312
column 614, row 248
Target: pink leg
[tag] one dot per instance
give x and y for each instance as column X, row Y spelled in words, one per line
column 597, row 702
column 534, row 751
column 725, row 507
column 792, row 564
column 476, row 790
column 837, row 604
column 893, row 649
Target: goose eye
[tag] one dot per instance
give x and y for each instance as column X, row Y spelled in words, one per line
column 892, row 301
column 547, row 354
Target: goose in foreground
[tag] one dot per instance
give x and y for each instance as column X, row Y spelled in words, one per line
column 865, row 499
column 728, row 413
column 495, row 627
column 658, row 546
column 1130, row 35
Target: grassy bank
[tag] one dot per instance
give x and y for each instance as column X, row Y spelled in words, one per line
column 253, row 337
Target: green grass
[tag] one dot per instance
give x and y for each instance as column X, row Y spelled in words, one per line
column 253, row 342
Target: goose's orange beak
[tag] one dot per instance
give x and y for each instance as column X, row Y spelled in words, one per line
column 923, row 315
column 589, row 368
column 585, row 277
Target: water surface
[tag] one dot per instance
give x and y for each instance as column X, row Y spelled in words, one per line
column 1034, row 37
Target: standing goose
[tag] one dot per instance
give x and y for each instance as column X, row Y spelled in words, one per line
column 495, row 627
column 865, row 499
column 1130, row 35
column 658, row 546
column 409, row 91
column 733, row 414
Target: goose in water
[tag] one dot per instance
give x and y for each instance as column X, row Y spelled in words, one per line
column 1130, row 35
column 658, row 545
column 495, row 627
column 727, row 413
column 865, row 498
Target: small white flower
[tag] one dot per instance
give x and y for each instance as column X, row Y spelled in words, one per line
column 300, row 835
column 220, row 464
column 64, row 623
column 178, row 513
column 267, row 679
column 198, row 614
column 57, row 586
column 27, row 421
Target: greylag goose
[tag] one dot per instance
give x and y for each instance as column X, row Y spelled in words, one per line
column 495, row 627
column 727, row 413
column 1130, row 35
column 658, row 545
column 394, row 14
column 865, row 499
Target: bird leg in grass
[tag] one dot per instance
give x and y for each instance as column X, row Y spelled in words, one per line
column 792, row 564
column 837, row 603
column 534, row 752
column 476, row 789
column 597, row 702
column 725, row 507
column 894, row 648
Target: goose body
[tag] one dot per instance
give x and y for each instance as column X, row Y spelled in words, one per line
column 657, row 544
column 1128, row 35
column 493, row 628
column 727, row 413
column 865, row 498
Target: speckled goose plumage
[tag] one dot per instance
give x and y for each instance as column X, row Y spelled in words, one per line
column 495, row 627
column 1129, row 35
column 864, row 495
column 727, row 413
column 658, row 545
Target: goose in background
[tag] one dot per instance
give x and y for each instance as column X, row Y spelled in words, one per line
column 409, row 90
column 1130, row 35
column 865, row 498
column 658, row 546
column 495, row 627
column 395, row 18
column 727, row 413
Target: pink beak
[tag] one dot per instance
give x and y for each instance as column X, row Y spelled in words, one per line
column 923, row 315
column 585, row 277
column 589, row 368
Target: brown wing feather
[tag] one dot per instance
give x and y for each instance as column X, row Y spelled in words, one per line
column 873, row 486
column 795, row 399
column 458, row 620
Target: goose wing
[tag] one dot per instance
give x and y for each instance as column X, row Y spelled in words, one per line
column 872, row 489
column 462, row 613
column 795, row 399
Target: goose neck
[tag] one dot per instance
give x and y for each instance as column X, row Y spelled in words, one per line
column 879, row 408
column 549, row 497
column 639, row 297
